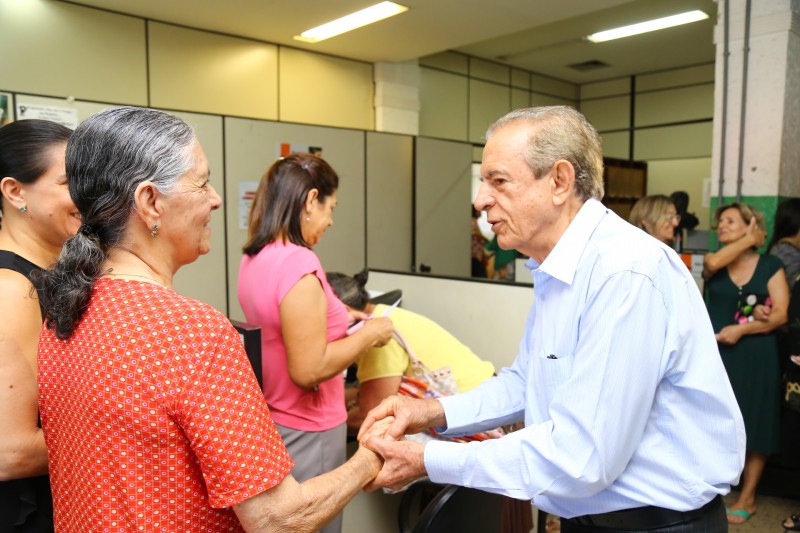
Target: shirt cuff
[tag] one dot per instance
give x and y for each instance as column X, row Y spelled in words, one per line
column 442, row 460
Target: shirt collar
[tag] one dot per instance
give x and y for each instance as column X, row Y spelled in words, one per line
column 562, row 262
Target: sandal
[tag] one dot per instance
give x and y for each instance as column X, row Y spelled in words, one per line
column 795, row 520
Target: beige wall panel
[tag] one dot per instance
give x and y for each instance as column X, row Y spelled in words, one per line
column 251, row 146
column 443, row 195
column 608, row 113
column 443, row 105
column 520, row 78
column 449, row 61
column 675, row 105
column 673, row 142
column 486, row 70
column 670, row 175
column 206, row 278
column 616, row 144
column 487, row 103
column 477, row 154
column 538, row 99
column 342, row 94
column 543, row 84
column 62, row 49
column 200, row 71
column 675, row 78
column 520, row 98
column 390, row 186
column 600, row 89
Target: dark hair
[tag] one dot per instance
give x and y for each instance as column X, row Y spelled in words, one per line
column 281, row 196
column 23, row 148
column 561, row 132
column 350, row 290
column 108, row 156
column 787, row 220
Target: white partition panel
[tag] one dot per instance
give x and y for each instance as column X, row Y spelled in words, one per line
column 489, row 317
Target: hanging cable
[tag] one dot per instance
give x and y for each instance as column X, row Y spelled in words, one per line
column 724, row 121
column 746, row 55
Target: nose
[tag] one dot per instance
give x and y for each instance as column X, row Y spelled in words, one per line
column 216, row 201
column 483, row 200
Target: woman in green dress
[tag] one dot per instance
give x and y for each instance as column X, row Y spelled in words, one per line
column 737, row 279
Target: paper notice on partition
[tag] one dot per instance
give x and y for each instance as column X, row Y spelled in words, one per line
column 247, row 192
column 66, row 116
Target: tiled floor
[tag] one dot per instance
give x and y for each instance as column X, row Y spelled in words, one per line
column 771, row 512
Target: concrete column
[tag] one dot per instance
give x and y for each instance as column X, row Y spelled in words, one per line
column 767, row 140
column 397, row 97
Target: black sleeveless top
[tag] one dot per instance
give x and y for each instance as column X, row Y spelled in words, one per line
column 25, row 504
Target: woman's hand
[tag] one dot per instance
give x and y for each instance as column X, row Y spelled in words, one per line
column 380, row 329
column 730, row 334
column 356, row 315
column 755, row 234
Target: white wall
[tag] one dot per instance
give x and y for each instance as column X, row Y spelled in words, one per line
column 488, row 317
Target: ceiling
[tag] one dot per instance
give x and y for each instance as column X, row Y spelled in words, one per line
column 542, row 36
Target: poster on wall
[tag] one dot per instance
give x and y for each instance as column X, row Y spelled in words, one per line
column 66, row 116
column 247, row 192
column 285, row 149
column 6, row 114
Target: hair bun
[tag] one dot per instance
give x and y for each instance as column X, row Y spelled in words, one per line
column 362, row 277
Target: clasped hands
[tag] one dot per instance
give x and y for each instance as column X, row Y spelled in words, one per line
column 383, row 433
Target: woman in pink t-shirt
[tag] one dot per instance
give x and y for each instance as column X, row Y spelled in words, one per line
column 283, row 289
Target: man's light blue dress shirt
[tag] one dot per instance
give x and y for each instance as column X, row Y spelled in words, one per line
column 619, row 380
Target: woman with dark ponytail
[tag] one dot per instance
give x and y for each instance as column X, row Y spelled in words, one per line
column 153, row 418
column 37, row 217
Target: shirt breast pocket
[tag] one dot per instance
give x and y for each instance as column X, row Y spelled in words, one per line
column 552, row 369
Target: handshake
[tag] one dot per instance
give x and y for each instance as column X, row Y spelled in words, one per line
column 397, row 461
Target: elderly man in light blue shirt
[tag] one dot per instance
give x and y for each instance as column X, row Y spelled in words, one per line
column 630, row 421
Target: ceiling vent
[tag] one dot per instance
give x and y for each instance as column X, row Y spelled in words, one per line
column 593, row 64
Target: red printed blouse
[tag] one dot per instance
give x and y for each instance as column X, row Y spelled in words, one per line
column 152, row 416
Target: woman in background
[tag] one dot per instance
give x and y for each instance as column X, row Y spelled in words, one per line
column 283, row 289
column 738, row 278
column 381, row 369
column 785, row 242
column 37, row 217
column 657, row 215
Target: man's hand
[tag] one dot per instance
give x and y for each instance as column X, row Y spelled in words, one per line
column 403, row 462
column 377, row 431
column 410, row 416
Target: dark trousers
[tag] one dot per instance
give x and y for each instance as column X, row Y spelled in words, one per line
column 711, row 519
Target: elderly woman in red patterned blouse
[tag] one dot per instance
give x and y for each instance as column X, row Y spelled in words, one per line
column 152, row 417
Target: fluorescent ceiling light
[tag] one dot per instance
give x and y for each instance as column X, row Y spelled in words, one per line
column 644, row 27
column 352, row 21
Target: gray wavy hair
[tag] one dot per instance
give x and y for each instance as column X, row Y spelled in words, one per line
column 108, row 156
column 561, row 132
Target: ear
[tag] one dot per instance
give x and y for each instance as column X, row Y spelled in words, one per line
column 311, row 197
column 562, row 181
column 13, row 191
column 148, row 203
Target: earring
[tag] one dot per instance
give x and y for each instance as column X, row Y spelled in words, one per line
column 23, row 209
column 154, row 232
column 308, row 218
